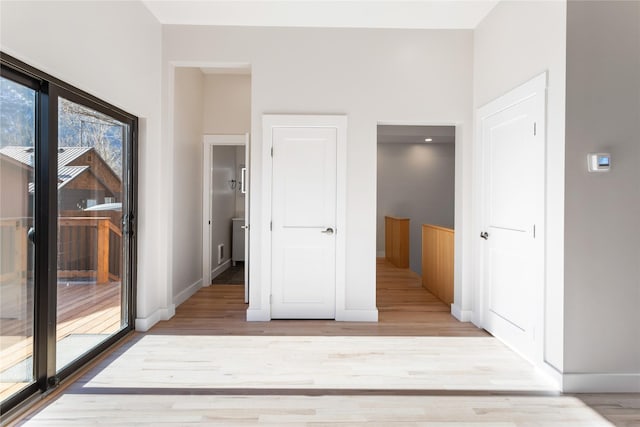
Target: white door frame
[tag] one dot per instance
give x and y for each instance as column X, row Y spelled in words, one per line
column 534, row 87
column 339, row 122
column 209, row 141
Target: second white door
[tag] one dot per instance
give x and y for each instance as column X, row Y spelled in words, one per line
column 512, row 138
column 304, row 223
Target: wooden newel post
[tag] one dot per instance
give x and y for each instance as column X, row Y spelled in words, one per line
column 103, row 252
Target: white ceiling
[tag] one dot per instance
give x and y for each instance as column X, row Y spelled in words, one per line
column 418, row 14
column 394, row 134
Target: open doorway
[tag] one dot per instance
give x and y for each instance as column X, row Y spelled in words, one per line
column 226, row 126
column 225, row 208
column 209, row 101
column 415, row 220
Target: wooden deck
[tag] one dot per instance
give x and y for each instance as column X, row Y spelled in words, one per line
column 83, row 308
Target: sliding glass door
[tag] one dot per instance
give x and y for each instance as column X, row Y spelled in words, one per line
column 17, row 153
column 67, row 243
column 91, row 191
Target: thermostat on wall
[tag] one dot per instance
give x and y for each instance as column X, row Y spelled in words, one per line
column 599, row 162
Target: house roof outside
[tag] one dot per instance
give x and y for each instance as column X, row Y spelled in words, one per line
column 66, row 155
column 15, row 162
column 25, row 154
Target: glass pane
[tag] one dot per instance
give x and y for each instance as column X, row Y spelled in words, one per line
column 17, row 131
column 90, row 243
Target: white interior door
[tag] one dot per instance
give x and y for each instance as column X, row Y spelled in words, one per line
column 303, row 223
column 513, row 202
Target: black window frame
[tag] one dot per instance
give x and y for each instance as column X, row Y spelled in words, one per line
column 45, row 215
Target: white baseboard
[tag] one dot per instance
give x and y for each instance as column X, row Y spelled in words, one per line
column 220, row 269
column 601, row 383
column 357, row 315
column 551, row 372
column 143, row 324
column 256, row 315
column 187, row 293
column 461, row 315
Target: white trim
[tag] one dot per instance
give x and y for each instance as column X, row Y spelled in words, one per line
column 357, row 315
column 143, row 324
column 168, row 154
column 220, row 269
column 270, row 121
column 553, row 374
column 601, row 383
column 187, row 293
column 461, row 315
column 220, row 139
column 535, row 86
column 258, row 315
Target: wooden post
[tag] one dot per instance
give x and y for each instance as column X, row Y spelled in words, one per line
column 103, row 252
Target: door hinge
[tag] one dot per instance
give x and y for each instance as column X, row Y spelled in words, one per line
column 271, row 151
column 535, row 128
column 270, row 299
column 270, row 225
column 534, row 231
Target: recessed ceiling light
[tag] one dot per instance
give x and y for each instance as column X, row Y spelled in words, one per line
column 428, row 139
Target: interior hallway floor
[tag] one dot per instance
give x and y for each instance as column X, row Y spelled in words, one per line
column 417, row 366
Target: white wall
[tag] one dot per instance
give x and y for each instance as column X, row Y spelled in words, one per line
column 602, row 211
column 187, row 183
column 415, row 181
column 227, row 106
column 514, row 43
column 113, row 51
column 405, row 76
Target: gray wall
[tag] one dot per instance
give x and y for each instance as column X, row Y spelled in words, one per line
column 602, row 211
column 415, row 181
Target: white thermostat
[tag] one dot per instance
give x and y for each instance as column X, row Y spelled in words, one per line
column 599, row 162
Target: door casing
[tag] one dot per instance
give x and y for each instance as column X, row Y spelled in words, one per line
column 261, row 310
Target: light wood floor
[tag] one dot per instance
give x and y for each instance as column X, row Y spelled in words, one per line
column 405, row 309
column 416, row 367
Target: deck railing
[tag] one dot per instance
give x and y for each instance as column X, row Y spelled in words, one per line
column 88, row 248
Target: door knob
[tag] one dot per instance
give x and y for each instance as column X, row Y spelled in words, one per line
column 31, row 234
column 484, row 235
column 328, row 231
